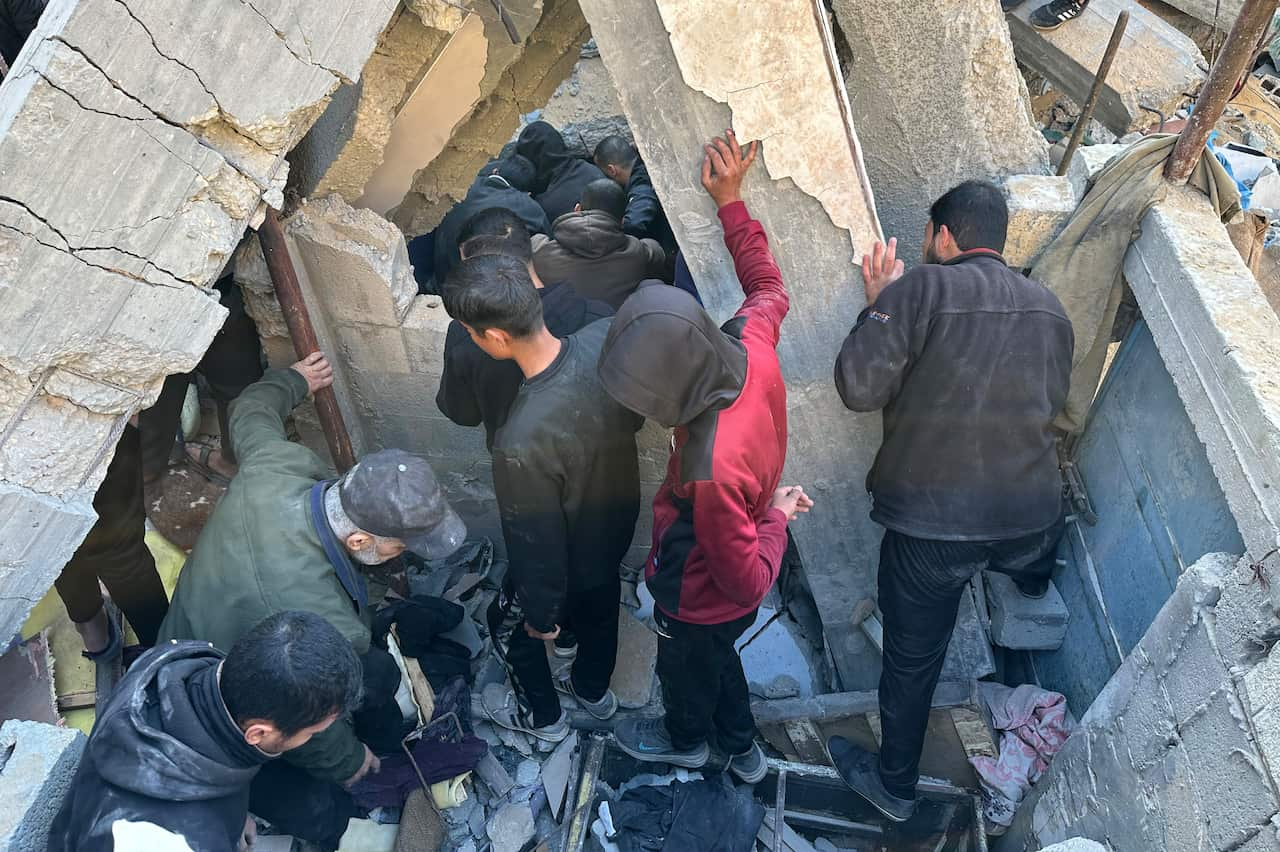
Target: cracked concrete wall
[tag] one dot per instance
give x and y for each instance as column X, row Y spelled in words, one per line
column 517, row 79
column 137, row 140
column 937, row 99
column 1179, row 751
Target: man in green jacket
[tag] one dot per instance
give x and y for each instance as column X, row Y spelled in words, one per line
column 286, row 536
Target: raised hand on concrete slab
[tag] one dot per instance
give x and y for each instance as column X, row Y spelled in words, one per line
column 317, row 370
column 724, row 166
column 792, row 501
column 880, row 269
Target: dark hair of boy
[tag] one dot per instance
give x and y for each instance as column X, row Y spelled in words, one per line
column 493, row 291
column 499, row 223
column 294, row 670
column 614, row 151
column 976, row 214
column 606, row 196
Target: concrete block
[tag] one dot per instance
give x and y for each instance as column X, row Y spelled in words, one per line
column 1018, row 621
column 365, row 347
column 637, row 656
column 37, row 765
column 1260, row 695
column 925, row 125
column 1039, row 207
column 57, row 447
column 1155, row 65
column 424, row 329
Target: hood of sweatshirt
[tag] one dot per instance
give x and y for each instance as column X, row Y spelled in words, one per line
column 543, row 146
column 666, row 359
column 166, row 732
column 589, row 233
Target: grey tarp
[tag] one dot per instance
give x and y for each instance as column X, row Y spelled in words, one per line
column 1083, row 265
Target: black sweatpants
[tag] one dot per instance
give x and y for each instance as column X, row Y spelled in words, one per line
column 592, row 615
column 298, row 803
column 115, row 551
column 921, row 581
column 704, row 689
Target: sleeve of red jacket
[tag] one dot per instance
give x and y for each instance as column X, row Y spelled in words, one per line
column 743, row 556
column 761, row 280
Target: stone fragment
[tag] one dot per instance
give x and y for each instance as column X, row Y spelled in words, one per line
column 527, row 773
column 637, row 658
column 1039, row 207
column 511, row 828
column 492, row 773
column 37, row 764
column 1024, row 623
column 782, row 686
column 555, row 773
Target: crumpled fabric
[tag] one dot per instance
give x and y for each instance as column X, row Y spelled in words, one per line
column 709, row 816
column 1033, row 724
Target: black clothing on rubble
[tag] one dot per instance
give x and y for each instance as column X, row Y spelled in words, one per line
column 561, row 176
column 475, row 388
column 115, row 551
column 420, row 622
column 164, row 751
column 704, row 689
column 17, row 19
column 645, row 217
column 709, row 815
column 486, row 191
column 920, row 583
column 971, row 362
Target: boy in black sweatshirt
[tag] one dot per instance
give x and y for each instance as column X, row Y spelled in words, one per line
column 568, row 487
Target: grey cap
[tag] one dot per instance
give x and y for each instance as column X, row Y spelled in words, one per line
column 394, row 494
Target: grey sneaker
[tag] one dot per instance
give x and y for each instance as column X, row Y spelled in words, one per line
column 505, row 710
column 647, row 740
column 602, row 709
column 860, row 769
column 751, row 766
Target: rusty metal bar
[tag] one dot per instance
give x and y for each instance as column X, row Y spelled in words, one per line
column 1091, row 102
column 303, row 335
column 1232, row 64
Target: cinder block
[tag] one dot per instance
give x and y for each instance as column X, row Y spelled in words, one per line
column 1039, row 207
column 34, row 779
column 1020, row 622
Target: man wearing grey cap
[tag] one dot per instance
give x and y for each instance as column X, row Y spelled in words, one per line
column 286, row 536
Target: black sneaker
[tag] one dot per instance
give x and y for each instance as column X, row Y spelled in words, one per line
column 647, row 740
column 1010, row 5
column 860, row 769
column 751, row 766
column 1056, row 13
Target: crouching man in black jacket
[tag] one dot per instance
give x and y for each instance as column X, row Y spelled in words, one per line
column 174, row 752
column 970, row 363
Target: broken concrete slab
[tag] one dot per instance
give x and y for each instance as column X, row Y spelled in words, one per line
column 969, row 91
column 637, row 658
column 511, row 828
column 1157, row 66
column 37, row 765
column 494, row 775
column 556, row 772
column 1220, row 13
column 1024, row 623
column 1039, row 207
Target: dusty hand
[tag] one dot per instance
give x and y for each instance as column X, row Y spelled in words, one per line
column 317, row 370
column 543, row 636
column 880, row 269
column 371, row 765
column 792, row 501
column 249, row 835
column 724, row 167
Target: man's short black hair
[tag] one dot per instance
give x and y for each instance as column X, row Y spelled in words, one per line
column 975, row 213
column 604, row 194
column 517, row 171
column 493, row 291
column 294, row 670
column 503, row 226
column 615, row 151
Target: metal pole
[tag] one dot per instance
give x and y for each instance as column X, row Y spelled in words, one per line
column 303, row 335
column 1091, row 102
column 1232, row 63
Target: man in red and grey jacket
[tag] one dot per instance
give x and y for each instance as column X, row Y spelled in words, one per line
column 720, row 519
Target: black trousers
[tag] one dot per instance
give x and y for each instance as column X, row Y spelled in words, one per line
column 592, row 615
column 300, row 804
column 704, row 688
column 232, row 362
column 921, row 581
column 115, row 551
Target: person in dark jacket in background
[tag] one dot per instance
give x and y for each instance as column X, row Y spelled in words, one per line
column 173, row 754
column 589, row 251
column 561, row 176
column 502, row 183
column 719, row 519
column 645, row 218
column 18, row 18
column 970, row 362
column 567, row 481
column 474, row 387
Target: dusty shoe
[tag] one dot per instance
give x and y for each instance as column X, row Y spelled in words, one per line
column 860, row 769
column 1056, row 13
column 504, row 709
column 751, row 766
column 648, row 740
column 602, row 709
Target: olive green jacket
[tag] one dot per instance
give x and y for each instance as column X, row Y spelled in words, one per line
column 259, row 554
